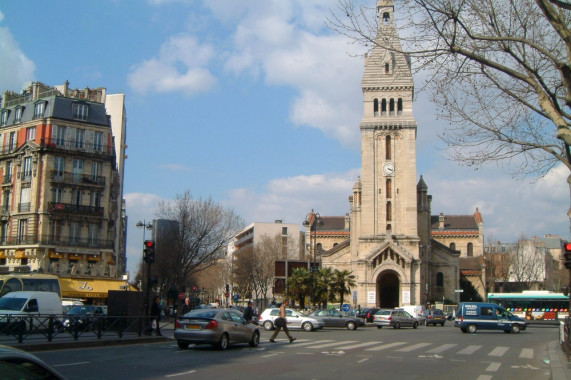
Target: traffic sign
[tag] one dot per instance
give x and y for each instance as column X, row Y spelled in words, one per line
column 459, row 290
column 180, row 296
column 236, row 297
column 346, row 307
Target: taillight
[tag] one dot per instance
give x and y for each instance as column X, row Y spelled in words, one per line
column 390, row 318
column 177, row 324
column 462, row 319
column 211, row 325
column 368, row 315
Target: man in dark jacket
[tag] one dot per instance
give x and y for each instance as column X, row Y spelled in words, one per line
column 249, row 312
column 156, row 314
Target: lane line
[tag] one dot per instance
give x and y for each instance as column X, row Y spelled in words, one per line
column 68, row 364
column 180, row 373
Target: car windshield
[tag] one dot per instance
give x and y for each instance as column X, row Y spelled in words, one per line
column 80, row 310
column 10, row 303
column 201, row 313
column 383, row 312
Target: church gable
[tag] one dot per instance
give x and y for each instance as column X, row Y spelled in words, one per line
column 389, row 252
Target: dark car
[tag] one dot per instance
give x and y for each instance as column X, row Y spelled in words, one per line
column 335, row 318
column 435, row 317
column 368, row 313
column 18, row 364
column 84, row 317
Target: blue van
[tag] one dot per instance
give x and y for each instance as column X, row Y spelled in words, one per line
column 472, row 316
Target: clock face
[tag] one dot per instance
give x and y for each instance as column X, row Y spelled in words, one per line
column 389, row 168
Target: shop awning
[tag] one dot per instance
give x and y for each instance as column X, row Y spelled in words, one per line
column 2, row 254
column 20, row 255
column 90, row 288
column 93, row 258
column 54, row 255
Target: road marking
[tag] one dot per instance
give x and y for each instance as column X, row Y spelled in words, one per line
column 180, row 373
column 526, row 353
column 389, row 345
column 441, row 349
column 68, row 364
column 469, row 350
column 414, row 347
column 498, row 351
column 309, row 343
column 493, row 367
column 269, row 355
column 484, row 377
column 362, row 360
column 359, row 345
column 333, row 344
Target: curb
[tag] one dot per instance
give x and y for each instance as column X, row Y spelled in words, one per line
column 558, row 362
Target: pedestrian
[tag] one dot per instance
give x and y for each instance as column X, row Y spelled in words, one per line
column 156, row 315
column 249, row 312
column 167, row 312
column 186, row 307
column 281, row 323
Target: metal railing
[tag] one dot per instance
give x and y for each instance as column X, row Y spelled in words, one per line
column 70, row 241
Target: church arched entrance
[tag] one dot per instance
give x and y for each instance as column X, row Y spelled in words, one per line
column 388, row 289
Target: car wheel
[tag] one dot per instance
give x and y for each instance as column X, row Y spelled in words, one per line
column 397, row 325
column 463, row 330
column 255, row 339
column 268, row 325
column 415, row 325
column 515, row 328
column 307, row 326
column 351, row 326
column 472, row 328
column 182, row 344
column 379, row 326
column 223, row 343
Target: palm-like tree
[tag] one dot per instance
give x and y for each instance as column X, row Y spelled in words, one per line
column 299, row 285
column 341, row 283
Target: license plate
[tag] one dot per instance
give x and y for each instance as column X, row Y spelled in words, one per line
column 192, row 327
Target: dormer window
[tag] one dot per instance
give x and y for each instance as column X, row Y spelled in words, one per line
column 39, row 109
column 18, row 114
column 80, row 111
column 4, row 117
column 386, row 18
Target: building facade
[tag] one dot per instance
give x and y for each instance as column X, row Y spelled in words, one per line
column 62, row 209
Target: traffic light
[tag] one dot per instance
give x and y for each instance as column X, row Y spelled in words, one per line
column 149, row 251
column 567, row 254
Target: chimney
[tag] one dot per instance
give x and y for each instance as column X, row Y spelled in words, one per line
column 441, row 221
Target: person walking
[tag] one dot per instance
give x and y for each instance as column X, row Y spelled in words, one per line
column 249, row 312
column 156, row 314
column 281, row 323
column 186, row 307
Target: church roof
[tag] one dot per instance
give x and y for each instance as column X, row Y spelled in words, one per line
column 454, row 222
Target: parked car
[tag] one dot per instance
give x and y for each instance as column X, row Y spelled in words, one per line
column 83, row 317
column 18, row 364
column 335, row 318
column 295, row 320
column 435, row 317
column 367, row 313
column 396, row 318
column 217, row 327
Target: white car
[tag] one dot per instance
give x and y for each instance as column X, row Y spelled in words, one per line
column 295, row 320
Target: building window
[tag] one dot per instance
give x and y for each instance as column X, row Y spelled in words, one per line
column 80, row 111
column 57, row 195
column 77, row 170
column 12, row 144
column 27, row 169
column 383, row 107
column 4, row 117
column 440, row 279
column 389, row 211
column 55, row 231
column 389, row 188
column 79, row 138
column 93, row 231
column 391, row 107
column 76, row 197
column 60, row 135
column 59, row 166
column 284, row 230
column 386, row 18
column 30, row 133
column 7, row 201
column 4, row 232
column 399, row 106
column 470, row 251
column 376, row 107
column 22, row 230
column 74, row 232
column 95, row 200
column 453, row 246
column 39, row 109
column 8, row 174
column 388, row 153
column 96, row 170
column 98, row 141
column 18, row 114
column 387, row 68
column 24, row 199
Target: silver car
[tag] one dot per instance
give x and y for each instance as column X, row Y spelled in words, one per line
column 395, row 318
column 334, row 318
column 218, row 327
column 295, row 320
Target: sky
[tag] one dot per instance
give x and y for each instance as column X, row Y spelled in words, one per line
column 254, row 103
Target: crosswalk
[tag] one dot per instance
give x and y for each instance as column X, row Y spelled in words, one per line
column 407, row 347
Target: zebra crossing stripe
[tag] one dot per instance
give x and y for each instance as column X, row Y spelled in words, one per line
column 469, row 350
column 296, row 344
column 526, row 353
column 414, row 347
column 385, row 346
column 441, row 348
column 359, row 345
column 498, row 351
column 493, row 367
column 333, row 344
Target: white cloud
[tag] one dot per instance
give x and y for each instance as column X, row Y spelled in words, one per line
column 16, row 67
column 179, row 67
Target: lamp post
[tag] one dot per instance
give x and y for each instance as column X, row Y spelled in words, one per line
column 312, row 220
column 146, row 226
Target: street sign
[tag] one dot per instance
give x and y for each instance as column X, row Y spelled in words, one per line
column 180, row 296
column 346, row 307
column 236, row 297
column 226, row 294
column 459, row 290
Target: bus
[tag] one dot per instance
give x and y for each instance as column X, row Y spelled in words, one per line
column 533, row 305
column 12, row 282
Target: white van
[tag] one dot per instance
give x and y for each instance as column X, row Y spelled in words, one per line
column 417, row 311
column 16, row 308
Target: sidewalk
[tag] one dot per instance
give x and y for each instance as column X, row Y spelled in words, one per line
column 560, row 366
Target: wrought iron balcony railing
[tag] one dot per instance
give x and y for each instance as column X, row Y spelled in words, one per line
column 84, row 179
column 67, row 208
column 67, row 241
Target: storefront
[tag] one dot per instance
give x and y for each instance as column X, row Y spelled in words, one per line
column 94, row 291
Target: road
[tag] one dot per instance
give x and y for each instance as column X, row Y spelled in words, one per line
column 427, row 352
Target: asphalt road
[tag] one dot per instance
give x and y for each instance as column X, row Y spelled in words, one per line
column 427, row 352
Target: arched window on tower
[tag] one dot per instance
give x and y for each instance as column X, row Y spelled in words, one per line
column 453, row 246
column 389, row 211
column 376, row 107
column 391, row 106
column 440, row 279
column 399, row 106
column 386, row 18
column 470, row 251
column 383, row 107
column 388, row 152
column 387, row 68
column 389, row 186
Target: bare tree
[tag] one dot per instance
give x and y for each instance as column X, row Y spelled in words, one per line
column 527, row 263
column 203, row 230
column 500, row 72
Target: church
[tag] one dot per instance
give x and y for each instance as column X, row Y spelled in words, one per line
column 399, row 253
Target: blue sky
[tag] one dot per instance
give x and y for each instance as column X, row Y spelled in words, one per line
column 254, row 103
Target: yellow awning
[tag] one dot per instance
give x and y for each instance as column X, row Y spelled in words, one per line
column 73, row 257
column 2, row 254
column 54, row 255
column 90, row 288
column 111, row 261
column 93, row 258
column 20, row 255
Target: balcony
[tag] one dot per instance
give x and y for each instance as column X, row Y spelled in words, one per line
column 78, row 179
column 72, row 147
column 67, row 208
column 61, row 241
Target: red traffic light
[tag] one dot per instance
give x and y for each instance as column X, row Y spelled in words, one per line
column 568, row 246
column 149, row 243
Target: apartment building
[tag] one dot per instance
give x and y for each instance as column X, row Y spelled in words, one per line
column 62, row 210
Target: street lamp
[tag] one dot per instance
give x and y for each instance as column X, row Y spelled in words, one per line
column 312, row 220
column 146, row 226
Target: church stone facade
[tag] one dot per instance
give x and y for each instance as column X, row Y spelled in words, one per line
column 390, row 249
